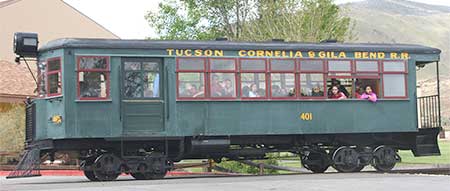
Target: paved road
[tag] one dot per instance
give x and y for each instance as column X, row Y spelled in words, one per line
column 329, row 181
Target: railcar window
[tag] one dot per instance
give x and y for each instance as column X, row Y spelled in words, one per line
column 222, row 78
column 394, row 85
column 312, row 85
column 253, row 85
column 191, row 73
column 366, row 66
column 311, row 65
column 339, row 68
column 191, row 85
column 253, row 65
column 394, row 79
column 286, row 65
column 283, row 84
column 54, row 86
column 93, row 77
column 141, row 79
column 394, row 66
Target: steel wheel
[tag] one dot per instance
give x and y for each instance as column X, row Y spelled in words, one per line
column 144, row 173
column 384, row 158
column 90, row 175
column 346, row 159
column 316, row 161
column 107, row 167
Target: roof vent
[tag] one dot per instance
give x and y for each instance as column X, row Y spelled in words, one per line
column 222, row 39
column 329, row 41
column 277, row 40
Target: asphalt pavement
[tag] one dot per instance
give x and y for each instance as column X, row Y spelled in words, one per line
column 318, row 182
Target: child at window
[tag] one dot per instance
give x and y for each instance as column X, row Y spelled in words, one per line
column 336, row 93
column 369, row 95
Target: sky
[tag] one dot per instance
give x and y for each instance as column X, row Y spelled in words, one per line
column 126, row 18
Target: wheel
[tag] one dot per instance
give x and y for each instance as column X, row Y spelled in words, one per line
column 359, row 168
column 384, row 158
column 346, row 159
column 107, row 167
column 144, row 174
column 90, row 175
column 316, row 161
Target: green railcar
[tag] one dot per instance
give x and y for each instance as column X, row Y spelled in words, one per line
column 137, row 106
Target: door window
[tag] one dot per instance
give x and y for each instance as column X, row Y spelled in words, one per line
column 141, row 79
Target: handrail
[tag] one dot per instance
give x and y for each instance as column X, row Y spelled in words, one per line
column 429, row 111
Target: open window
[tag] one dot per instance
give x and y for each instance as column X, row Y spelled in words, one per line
column 253, row 78
column 222, row 78
column 191, row 78
column 54, row 85
column 282, row 78
column 312, row 79
column 93, row 77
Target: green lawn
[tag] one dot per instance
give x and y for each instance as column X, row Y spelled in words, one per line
column 408, row 157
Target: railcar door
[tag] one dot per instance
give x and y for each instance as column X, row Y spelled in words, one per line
column 142, row 96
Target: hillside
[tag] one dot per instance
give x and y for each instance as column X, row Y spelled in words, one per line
column 401, row 21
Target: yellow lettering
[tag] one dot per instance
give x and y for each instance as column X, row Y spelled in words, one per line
column 311, row 54
column 198, row 52
column 188, row 52
column 393, row 55
column 169, row 51
column 322, row 54
column 298, row 54
column 404, row 55
column 357, row 55
column 251, row 53
column 277, row 53
column 218, row 52
column 381, row 55
column 242, row 53
column 208, row 52
column 179, row 52
column 269, row 53
column 365, row 55
column 342, row 55
column 260, row 53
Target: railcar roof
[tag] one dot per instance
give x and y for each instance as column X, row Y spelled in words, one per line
column 233, row 45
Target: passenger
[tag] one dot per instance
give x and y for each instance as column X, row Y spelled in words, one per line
column 190, row 90
column 337, row 83
column 228, row 89
column 201, row 92
column 245, row 91
column 336, row 94
column 216, row 87
column 253, row 92
column 358, row 91
column 317, row 92
column 276, row 91
column 369, row 95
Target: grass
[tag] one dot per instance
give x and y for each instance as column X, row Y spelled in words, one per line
column 444, row 145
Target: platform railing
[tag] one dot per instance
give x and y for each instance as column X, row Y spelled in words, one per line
column 429, row 111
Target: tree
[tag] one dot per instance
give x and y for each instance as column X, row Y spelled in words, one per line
column 256, row 20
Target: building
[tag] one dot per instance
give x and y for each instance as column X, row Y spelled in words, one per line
column 51, row 19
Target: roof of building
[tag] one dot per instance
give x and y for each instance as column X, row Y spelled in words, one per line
column 15, row 79
column 231, row 45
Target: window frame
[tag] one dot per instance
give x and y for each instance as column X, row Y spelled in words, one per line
column 265, row 72
column 142, row 71
column 293, row 72
column 324, row 73
column 351, row 71
column 210, row 72
column 405, row 76
column 204, row 72
column 48, row 73
column 107, row 72
column 377, row 76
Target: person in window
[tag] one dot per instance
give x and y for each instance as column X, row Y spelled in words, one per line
column 368, row 94
column 216, row 87
column 276, row 91
column 253, row 91
column 228, row 89
column 201, row 92
column 245, row 91
column 316, row 92
column 189, row 90
column 337, row 83
column 336, row 94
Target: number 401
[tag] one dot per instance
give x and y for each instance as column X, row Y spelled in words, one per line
column 306, row 116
